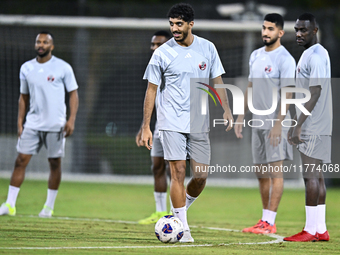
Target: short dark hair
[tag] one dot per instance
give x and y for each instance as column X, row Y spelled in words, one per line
column 308, row 16
column 45, row 32
column 164, row 33
column 182, row 11
column 275, row 18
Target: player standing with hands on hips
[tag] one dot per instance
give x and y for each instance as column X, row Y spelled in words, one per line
column 182, row 133
column 312, row 134
column 42, row 86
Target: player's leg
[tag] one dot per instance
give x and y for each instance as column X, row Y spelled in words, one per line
column 28, row 144
column 160, row 190
column 312, row 190
column 55, row 145
column 160, row 182
column 274, row 196
column 17, row 179
column 197, row 183
column 198, row 147
column 321, row 228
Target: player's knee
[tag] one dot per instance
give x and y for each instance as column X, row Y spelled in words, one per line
column 178, row 173
column 54, row 163
column 158, row 169
column 200, row 181
column 21, row 161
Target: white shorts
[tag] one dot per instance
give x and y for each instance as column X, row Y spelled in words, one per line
column 264, row 153
column 182, row 146
column 31, row 141
column 316, row 146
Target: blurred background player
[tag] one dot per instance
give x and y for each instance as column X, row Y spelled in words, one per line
column 312, row 134
column 177, row 61
column 160, row 167
column 43, row 81
column 270, row 66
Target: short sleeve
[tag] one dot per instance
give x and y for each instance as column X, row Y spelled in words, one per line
column 251, row 61
column 69, row 79
column 153, row 72
column 318, row 71
column 23, row 82
column 287, row 72
column 216, row 64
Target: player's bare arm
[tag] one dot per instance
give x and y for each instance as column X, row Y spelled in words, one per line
column 23, row 105
column 315, row 94
column 238, row 127
column 276, row 132
column 149, row 104
column 74, row 103
column 225, row 104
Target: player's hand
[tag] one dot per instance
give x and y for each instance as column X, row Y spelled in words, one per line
column 229, row 117
column 238, row 127
column 275, row 134
column 296, row 136
column 20, row 129
column 69, row 128
column 139, row 141
column 147, row 137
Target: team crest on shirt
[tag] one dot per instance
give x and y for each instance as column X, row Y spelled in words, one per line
column 202, row 65
column 268, row 69
column 50, row 78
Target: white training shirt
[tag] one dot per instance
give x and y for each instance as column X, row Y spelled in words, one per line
column 268, row 69
column 314, row 69
column 45, row 83
column 179, row 107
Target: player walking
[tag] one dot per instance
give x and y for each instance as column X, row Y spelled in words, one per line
column 177, row 61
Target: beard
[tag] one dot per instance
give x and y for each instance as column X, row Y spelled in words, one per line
column 43, row 54
column 185, row 35
column 270, row 42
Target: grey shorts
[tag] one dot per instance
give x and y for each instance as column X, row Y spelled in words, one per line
column 181, row 146
column 264, row 153
column 31, row 141
column 316, row 146
column 157, row 148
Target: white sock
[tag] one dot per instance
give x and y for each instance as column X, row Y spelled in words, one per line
column 51, row 196
column 160, row 199
column 311, row 213
column 321, row 219
column 271, row 217
column 181, row 213
column 12, row 195
column 189, row 200
column 264, row 215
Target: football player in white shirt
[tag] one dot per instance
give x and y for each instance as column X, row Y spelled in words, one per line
column 43, row 81
column 160, row 167
column 177, row 62
column 312, row 134
column 271, row 66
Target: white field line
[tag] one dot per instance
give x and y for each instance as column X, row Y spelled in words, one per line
column 277, row 238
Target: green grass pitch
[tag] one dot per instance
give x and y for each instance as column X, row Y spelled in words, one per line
column 88, row 215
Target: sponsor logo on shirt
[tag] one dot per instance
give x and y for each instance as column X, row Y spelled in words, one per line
column 50, row 78
column 202, row 65
column 268, row 69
